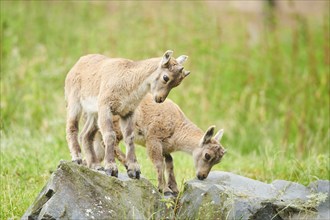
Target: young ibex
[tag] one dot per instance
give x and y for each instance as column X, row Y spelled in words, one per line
column 163, row 129
column 102, row 87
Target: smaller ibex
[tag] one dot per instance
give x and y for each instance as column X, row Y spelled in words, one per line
column 163, row 129
column 103, row 87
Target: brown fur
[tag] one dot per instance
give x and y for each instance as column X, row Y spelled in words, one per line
column 103, row 87
column 163, row 129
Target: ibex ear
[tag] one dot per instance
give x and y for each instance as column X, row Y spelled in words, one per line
column 208, row 135
column 181, row 59
column 218, row 135
column 186, row 73
column 166, row 58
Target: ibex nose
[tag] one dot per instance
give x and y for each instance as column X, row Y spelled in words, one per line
column 159, row 99
column 201, row 176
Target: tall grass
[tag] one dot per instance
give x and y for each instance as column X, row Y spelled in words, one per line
column 272, row 97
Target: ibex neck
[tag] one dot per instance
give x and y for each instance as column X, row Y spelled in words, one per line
column 143, row 76
column 146, row 68
column 139, row 83
column 190, row 139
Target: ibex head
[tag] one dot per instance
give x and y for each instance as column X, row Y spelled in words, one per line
column 209, row 153
column 170, row 74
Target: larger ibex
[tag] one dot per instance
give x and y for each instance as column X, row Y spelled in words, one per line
column 103, row 87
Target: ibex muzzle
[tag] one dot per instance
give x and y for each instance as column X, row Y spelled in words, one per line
column 209, row 153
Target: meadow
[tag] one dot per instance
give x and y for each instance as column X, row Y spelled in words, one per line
column 270, row 96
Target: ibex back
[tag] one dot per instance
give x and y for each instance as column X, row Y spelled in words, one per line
column 102, row 87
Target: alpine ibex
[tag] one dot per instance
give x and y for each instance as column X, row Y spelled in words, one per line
column 103, row 87
column 163, row 129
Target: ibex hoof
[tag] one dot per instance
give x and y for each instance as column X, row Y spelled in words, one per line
column 77, row 161
column 111, row 172
column 168, row 193
column 134, row 174
column 175, row 194
column 100, row 169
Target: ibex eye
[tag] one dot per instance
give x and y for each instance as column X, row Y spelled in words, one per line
column 166, row 79
column 207, row 156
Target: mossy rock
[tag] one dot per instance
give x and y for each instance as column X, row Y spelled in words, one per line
column 76, row 192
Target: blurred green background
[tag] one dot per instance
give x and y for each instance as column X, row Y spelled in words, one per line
column 259, row 69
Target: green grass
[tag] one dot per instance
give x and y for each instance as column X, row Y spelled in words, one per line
column 271, row 97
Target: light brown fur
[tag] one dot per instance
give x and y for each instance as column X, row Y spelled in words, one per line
column 103, row 87
column 163, row 129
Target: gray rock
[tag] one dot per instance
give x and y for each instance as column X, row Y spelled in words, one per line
column 229, row 196
column 76, row 192
column 319, row 188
